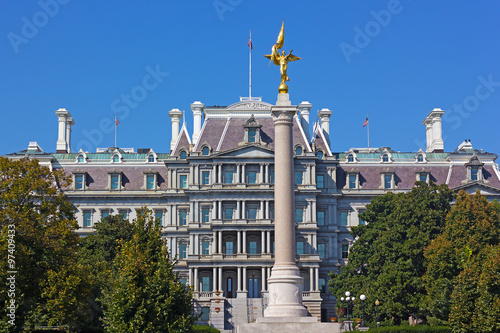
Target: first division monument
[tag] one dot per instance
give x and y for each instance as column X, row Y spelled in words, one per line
column 285, row 312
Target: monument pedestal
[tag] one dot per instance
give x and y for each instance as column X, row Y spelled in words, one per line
column 288, row 325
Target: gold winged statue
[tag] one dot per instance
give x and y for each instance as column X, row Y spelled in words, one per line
column 281, row 60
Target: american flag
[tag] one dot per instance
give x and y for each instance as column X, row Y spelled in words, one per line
column 117, row 122
column 366, row 122
column 250, row 45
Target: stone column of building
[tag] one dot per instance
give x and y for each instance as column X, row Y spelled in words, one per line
column 285, row 282
column 175, row 115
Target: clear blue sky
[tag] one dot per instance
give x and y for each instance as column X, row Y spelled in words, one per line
column 410, row 57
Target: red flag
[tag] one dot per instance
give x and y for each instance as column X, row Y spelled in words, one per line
column 366, row 122
column 250, row 45
column 117, row 122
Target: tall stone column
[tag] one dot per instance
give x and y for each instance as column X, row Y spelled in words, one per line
column 285, row 282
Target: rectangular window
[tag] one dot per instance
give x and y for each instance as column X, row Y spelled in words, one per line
column 123, row 213
column 205, row 313
column 320, row 181
column 345, row 251
column 252, row 247
column 361, row 221
column 183, row 281
column 182, row 251
column 150, row 182
column 298, row 177
column 322, row 285
column 423, row 177
column 252, row 177
column 229, row 247
column 229, row 213
column 252, row 213
column 251, row 135
column 343, row 218
column 182, row 217
column 352, row 181
column 87, row 218
column 183, row 181
column 205, row 215
column 473, row 174
column 387, row 181
column 205, row 284
column 228, row 179
column 271, row 213
column 205, row 247
column 271, row 177
column 205, row 177
column 104, row 214
column 79, row 182
column 159, row 217
column 320, row 217
column 300, row 247
column 299, row 215
column 322, row 250
column 115, row 182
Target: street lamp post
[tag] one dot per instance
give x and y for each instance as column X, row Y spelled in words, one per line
column 347, row 298
column 362, row 298
column 377, row 303
column 342, row 301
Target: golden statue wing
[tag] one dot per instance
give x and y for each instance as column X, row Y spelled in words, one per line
column 292, row 57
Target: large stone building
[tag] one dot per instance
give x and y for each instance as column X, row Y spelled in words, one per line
column 213, row 195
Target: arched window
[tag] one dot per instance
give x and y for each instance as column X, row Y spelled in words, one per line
column 298, row 151
column 151, row 158
column 205, row 151
column 116, row 159
column 81, row 159
column 183, row 155
column 319, row 155
column 420, row 158
column 350, row 158
column 385, row 158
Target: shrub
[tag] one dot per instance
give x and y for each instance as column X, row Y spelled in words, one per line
column 411, row 329
column 205, row 329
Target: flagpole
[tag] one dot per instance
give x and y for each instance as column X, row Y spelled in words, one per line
column 115, row 131
column 250, row 69
column 368, row 131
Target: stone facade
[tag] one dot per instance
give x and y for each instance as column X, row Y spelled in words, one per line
column 214, row 197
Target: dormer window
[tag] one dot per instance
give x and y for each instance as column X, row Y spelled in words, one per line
column 183, row 155
column 79, row 180
column 151, row 158
column 81, row 159
column 116, row 158
column 205, row 151
column 115, row 180
column 298, row 151
column 350, row 158
column 420, row 158
column 319, row 155
column 385, row 158
column 422, row 176
column 474, row 169
column 252, row 130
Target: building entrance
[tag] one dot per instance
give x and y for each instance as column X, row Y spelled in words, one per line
column 253, row 288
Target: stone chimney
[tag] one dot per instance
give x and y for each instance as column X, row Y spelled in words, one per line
column 305, row 108
column 197, row 108
column 64, row 131
column 433, row 131
column 325, row 115
column 175, row 115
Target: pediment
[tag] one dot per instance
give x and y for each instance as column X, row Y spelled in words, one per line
column 250, row 105
column 252, row 151
column 484, row 188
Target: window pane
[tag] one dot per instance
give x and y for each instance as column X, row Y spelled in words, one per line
column 253, row 247
column 151, row 158
column 229, row 213
column 473, row 174
column 205, row 176
column 350, row 158
column 205, row 284
column 116, row 159
column 300, row 247
column 183, row 155
column 182, row 251
column 299, row 215
column 387, row 181
column 115, row 182
column 345, row 251
column 420, row 158
column 271, row 180
column 79, row 182
column 320, row 217
column 205, row 151
column 322, row 285
column 298, row 151
column 123, row 213
column 320, row 181
column 183, row 181
column 80, row 159
column 385, row 158
column 352, row 181
column 205, row 313
column 183, row 281
column 229, row 177
column 252, row 213
column 159, row 217
column 361, row 222
column 298, row 177
column 229, row 248
column 104, row 214
column 343, row 218
column 252, row 177
column 205, row 215
column 423, row 177
column 251, row 135
column 319, row 155
column 322, row 251
column 87, row 219
column 205, row 247
column 182, row 217
column 150, row 179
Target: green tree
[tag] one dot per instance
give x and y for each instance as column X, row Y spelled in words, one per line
column 98, row 250
column 50, row 286
column 386, row 260
column 146, row 293
column 471, row 225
